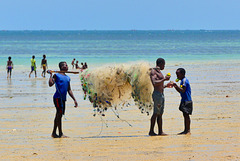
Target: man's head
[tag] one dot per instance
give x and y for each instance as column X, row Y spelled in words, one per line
column 63, row 66
column 9, row 58
column 33, row 56
column 44, row 56
column 160, row 63
column 180, row 73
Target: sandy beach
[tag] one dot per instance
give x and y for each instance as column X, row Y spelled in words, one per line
column 27, row 114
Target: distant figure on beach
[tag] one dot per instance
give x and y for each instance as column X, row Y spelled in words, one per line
column 76, row 65
column 33, row 66
column 186, row 105
column 157, row 80
column 44, row 65
column 82, row 65
column 62, row 83
column 85, row 66
column 9, row 67
column 73, row 62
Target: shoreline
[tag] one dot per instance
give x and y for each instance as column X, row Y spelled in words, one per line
column 169, row 63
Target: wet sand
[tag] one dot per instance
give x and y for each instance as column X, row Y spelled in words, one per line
column 27, row 115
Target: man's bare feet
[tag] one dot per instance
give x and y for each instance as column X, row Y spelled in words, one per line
column 162, row 134
column 184, row 133
column 152, row 134
column 55, row 136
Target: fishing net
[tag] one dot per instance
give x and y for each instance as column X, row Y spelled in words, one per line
column 118, row 86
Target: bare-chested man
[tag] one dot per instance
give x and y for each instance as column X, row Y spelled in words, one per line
column 9, row 67
column 73, row 62
column 158, row 79
column 44, row 65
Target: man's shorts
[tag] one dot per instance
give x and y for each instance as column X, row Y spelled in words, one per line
column 158, row 100
column 9, row 69
column 186, row 107
column 60, row 105
column 33, row 68
column 44, row 67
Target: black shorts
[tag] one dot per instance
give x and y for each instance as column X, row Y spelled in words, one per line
column 9, row 69
column 60, row 105
column 186, row 107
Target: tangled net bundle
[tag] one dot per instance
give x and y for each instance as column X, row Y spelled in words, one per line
column 107, row 87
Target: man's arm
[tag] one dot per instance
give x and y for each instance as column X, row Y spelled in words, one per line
column 71, row 94
column 51, row 80
column 179, row 89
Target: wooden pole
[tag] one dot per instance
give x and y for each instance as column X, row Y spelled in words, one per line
column 52, row 71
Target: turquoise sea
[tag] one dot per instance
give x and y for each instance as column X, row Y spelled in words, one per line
column 100, row 47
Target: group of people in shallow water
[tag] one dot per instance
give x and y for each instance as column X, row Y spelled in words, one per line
column 83, row 66
column 34, row 66
column 44, row 65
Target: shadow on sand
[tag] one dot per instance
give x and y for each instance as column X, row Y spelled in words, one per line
column 128, row 136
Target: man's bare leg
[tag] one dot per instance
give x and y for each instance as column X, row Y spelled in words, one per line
column 159, row 121
column 56, row 120
column 187, row 122
column 153, row 121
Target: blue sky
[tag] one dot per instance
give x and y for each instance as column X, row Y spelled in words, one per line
column 119, row 14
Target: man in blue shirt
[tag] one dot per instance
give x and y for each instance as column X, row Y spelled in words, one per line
column 62, row 83
column 186, row 105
